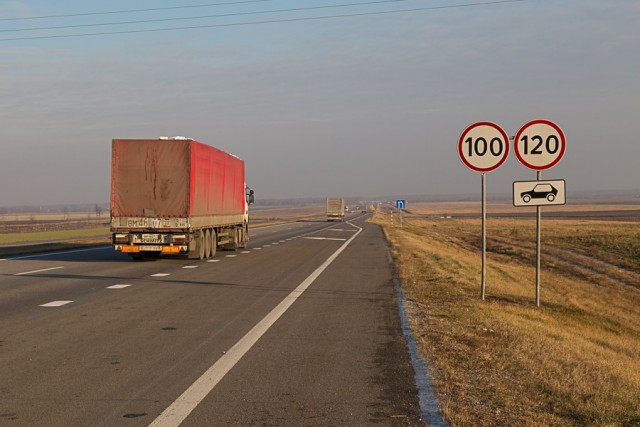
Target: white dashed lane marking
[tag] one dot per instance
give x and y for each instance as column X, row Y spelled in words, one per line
column 118, row 286
column 161, row 274
column 190, row 266
column 231, row 256
column 38, row 271
column 246, row 252
column 214, row 260
column 56, row 303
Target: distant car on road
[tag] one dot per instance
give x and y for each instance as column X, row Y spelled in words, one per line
column 540, row 191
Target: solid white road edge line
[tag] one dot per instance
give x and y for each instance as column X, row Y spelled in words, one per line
column 324, row 238
column 187, row 402
column 37, row 271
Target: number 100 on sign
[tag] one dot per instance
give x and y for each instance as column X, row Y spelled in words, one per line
column 483, row 146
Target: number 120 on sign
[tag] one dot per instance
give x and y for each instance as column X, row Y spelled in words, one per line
column 539, row 144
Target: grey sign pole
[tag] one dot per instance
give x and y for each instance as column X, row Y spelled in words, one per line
column 539, row 193
column 483, row 147
column 538, row 234
column 539, row 145
column 484, row 234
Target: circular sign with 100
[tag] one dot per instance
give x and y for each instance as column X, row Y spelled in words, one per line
column 483, row 146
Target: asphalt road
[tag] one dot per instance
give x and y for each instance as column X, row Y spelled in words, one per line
column 301, row 328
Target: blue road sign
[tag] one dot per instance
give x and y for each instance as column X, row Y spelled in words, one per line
column 401, row 204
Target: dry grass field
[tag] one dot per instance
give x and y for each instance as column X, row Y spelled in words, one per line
column 466, row 208
column 38, row 236
column 28, row 228
column 271, row 214
column 574, row 361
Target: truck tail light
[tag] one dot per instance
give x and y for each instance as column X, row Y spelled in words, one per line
column 120, row 238
column 180, row 239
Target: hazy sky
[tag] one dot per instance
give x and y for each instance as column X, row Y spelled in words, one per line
column 369, row 105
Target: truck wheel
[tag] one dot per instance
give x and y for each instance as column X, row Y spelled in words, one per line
column 207, row 244
column 233, row 246
column 214, row 242
column 242, row 237
column 198, row 251
column 200, row 245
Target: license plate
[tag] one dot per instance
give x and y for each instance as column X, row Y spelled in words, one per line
column 151, row 248
column 151, row 238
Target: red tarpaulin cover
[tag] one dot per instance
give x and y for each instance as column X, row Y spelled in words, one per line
column 174, row 178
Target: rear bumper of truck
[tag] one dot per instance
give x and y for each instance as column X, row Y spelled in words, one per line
column 131, row 242
column 165, row 249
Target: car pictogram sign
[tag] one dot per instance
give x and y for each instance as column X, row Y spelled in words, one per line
column 539, row 193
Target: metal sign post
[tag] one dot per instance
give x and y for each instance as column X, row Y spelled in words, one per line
column 400, row 205
column 538, row 237
column 539, row 145
column 483, row 147
column 484, row 235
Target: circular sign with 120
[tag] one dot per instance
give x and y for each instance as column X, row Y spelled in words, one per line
column 539, row 144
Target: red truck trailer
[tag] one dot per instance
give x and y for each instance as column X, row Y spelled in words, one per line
column 177, row 196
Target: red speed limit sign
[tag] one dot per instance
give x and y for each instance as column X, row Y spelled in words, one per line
column 539, row 144
column 483, row 146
